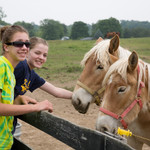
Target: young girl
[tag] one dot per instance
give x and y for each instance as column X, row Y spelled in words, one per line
column 15, row 46
column 27, row 79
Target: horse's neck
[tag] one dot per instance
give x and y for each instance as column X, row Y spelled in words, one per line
column 141, row 125
column 142, row 122
column 141, row 128
column 123, row 52
column 144, row 76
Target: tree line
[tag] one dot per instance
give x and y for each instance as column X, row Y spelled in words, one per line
column 50, row 29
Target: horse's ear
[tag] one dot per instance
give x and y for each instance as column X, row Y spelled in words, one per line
column 99, row 40
column 132, row 61
column 114, row 44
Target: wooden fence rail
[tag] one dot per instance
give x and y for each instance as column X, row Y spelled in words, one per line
column 74, row 136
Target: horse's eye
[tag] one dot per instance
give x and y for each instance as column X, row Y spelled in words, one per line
column 121, row 89
column 99, row 67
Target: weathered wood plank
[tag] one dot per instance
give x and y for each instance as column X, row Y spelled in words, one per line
column 75, row 136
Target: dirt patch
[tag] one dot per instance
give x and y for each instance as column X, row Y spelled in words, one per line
column 63, row 108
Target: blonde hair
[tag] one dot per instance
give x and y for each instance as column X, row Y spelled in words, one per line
column 37, row 40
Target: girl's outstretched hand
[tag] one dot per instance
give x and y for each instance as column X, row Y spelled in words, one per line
column 44, row 105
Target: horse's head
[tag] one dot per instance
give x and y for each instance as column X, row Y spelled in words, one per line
column 122, row 98
column 111, row 34
column 96, row 63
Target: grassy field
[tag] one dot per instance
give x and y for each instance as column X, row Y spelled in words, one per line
column 64, row 57
column 140, row 45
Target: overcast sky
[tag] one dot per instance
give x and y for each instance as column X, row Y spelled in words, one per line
column 69, row 11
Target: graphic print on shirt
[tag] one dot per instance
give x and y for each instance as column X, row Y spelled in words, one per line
column 25, row 85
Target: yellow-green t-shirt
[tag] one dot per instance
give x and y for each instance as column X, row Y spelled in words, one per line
column 7, row 84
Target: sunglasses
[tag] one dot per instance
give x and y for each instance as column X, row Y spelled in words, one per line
column 19, row 44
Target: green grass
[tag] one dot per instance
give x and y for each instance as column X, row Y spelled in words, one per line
column 140, row 45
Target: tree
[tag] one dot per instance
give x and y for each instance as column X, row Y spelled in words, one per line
column 107, row 25
column 51, row 29
column 29, row 26
column 2, row 14
column 79, row 30
column 126, row 33
column 98, row 34
column 135, row 28
column 65, row 29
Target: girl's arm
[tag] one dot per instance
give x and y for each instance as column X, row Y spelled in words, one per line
column 15, row 110
column 56, row 91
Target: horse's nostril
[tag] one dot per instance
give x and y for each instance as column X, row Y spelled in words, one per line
column 103, row 129
column 79, row 101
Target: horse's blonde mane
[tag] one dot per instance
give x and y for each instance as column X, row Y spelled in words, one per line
column 101, row 51
column 123, row 52
column 148, row 67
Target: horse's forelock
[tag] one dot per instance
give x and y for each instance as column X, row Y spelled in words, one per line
column 119, row 67
column 100, row 52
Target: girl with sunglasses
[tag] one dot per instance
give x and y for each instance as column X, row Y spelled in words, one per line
column 28, row 79
column 15, row 46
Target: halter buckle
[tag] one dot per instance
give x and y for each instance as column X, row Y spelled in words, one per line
column 97, row 99
column 139, row 101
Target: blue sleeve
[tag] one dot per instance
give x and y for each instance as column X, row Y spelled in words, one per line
column 37, row 81
column 19, row 70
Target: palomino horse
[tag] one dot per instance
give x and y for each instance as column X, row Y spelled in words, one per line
column 111, row 34
column 126, row 100
column 96, row 63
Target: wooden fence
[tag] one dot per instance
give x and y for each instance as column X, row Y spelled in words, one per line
column 77, row 137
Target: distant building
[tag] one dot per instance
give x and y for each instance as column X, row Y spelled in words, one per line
column 87, row 38
column 65, row 38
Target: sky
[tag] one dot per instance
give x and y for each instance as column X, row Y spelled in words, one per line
column 70, row 11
